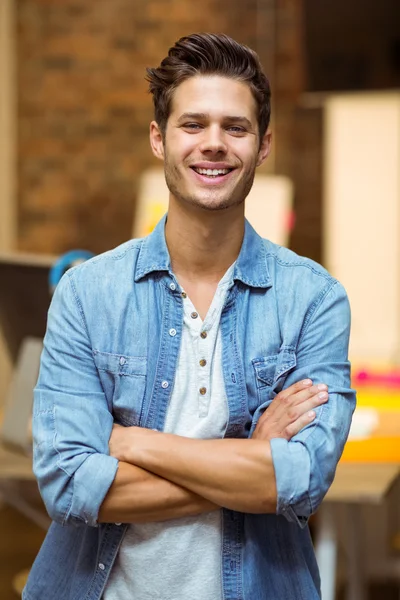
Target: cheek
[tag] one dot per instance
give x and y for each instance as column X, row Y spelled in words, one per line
column 181, row 156
column 245, row 151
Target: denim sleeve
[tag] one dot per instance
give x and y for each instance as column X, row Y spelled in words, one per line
column 72, row 422
column 305, row 466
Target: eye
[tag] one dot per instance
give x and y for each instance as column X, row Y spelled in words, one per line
column 236, row 129
column 192, row 126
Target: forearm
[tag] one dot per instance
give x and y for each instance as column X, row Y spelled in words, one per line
column 137, row 496
column 233, row 473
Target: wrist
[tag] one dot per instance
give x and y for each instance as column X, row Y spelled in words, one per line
column 138, row 443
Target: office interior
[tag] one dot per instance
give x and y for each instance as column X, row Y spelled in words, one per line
column 77, row 173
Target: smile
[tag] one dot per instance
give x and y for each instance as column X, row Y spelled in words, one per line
column 212, row 172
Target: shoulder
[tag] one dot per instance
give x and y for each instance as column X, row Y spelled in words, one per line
column 101, row 280
column 114, row 264
column 301, row 280
column 283, row 260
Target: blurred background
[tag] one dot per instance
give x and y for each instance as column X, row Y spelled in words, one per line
column 81, row 109
column 74, row 119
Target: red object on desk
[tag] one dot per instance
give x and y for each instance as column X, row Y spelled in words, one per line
column 377, row 378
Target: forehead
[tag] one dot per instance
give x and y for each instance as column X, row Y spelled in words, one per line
column 213, row 95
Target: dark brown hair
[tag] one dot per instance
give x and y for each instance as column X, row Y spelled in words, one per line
column 208, row 54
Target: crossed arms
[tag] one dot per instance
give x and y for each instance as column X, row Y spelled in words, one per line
column 162, row 476
column 88, row 470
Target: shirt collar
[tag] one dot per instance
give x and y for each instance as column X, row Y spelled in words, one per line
column 250, row 267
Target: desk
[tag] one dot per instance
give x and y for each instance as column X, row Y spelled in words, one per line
column 365, row 474
column 15, row 469
column 354, row 484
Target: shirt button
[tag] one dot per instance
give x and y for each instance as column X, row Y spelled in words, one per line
column 203, row 391
column 184, row 295
column 101, row 567
column 194, row 315
column 172, row 286
column 122, row 360
column 203, row 335
column 165, row 384
column 118, row 524
column 172, row 332
column 203, row 362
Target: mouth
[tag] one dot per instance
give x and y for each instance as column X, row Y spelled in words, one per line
column 216, row 175
column 212, row 172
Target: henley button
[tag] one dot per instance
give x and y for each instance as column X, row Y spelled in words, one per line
column 101, row 567
column 194, row 315
column 172, row 332
column 203, row 335
column 203, row 362
column 122, row 360
column 165, row 384
column 172, row 286
column 203, row 391
column 184, row 295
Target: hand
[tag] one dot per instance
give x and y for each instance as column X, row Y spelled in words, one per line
column 290, row 411
column 124, row 440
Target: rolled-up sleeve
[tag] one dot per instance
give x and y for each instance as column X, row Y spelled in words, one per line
column 305, row 466
column 72, row 421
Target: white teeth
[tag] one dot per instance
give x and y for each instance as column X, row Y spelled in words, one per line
column 212, row 172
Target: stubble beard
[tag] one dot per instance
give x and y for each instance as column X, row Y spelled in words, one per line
column 172, row 178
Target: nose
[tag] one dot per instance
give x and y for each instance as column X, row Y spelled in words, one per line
column 213, row 141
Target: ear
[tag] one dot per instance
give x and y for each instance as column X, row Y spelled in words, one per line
column 156, row 140
column 265, row 148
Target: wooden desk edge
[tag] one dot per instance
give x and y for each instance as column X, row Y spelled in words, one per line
column 362, row 482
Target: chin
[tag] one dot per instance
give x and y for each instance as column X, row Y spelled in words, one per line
column 216, row 206
column 211, row 204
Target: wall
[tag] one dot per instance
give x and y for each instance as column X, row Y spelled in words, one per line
column 352, row 45
column 84, row 108
column 7, row 125
column 7, row 158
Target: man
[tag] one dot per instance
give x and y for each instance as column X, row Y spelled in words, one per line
column 183, row 431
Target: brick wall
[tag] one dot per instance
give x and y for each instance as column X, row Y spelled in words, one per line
column 84, row 109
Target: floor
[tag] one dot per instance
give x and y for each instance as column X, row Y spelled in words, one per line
column 20, row 540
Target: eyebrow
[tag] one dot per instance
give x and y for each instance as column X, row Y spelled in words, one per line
column 205, row 116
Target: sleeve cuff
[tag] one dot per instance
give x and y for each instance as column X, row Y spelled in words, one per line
column 91, row 483
column 292, row 474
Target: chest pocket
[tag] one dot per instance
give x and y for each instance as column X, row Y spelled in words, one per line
column 271, row 372
column 124, row 382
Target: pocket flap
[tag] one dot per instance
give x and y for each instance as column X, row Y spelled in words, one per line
column 270, row 368
column 120, row 364
column 265, row 368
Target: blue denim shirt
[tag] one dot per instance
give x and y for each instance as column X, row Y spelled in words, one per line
column 113, row 336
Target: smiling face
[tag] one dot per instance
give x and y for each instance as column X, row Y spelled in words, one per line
column 211, row 146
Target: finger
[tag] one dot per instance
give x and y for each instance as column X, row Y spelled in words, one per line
column 291, row 417
column 290, row 408
column 294, row 428
column 286, row 403
column 299, row 386
column 287, row 393
column 295, row 412
column 304, row 395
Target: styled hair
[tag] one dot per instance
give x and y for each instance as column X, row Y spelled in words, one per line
column 208, row 54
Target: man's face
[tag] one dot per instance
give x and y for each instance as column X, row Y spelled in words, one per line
column 212, row 145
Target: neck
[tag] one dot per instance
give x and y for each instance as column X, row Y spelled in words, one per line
column 203, row 244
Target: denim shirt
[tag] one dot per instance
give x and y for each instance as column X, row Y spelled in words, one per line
column 112, row 341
